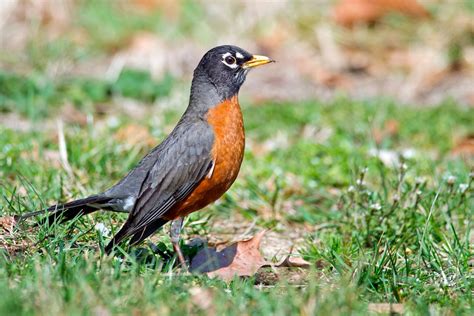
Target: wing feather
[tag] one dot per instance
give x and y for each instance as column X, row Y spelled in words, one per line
column 182, row 164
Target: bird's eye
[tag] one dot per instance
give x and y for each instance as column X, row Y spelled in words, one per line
column 230, row 60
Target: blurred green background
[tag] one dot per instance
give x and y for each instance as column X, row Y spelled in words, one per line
column 86, row 52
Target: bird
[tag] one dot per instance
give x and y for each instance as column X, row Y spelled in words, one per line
column 191, row 168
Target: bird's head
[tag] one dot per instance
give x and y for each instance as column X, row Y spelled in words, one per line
column 225, row 68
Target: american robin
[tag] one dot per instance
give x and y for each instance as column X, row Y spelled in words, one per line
column 192, row 167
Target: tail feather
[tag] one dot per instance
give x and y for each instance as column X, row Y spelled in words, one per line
column 67, row 211
column 137, row 237
column 147, row 231
column 123, row 233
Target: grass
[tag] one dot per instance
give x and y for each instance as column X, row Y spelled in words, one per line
column 398, row 233
column 34, row 96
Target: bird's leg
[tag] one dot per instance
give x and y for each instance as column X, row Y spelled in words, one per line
column 176, row 226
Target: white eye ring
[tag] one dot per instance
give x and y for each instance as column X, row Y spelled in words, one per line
column 229, row 60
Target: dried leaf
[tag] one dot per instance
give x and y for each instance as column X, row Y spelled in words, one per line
column 390, row 129
column 242, row 259
column 291, row 261
column 7, row 223
column 170, row 9
column 294, row 262
column 408, row 7
column 332, row 79
column 350, row 12
column 464, row 147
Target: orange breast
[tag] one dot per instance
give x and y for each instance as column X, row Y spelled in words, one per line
column 227, row 152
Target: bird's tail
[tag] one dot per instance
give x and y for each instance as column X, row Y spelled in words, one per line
column 137, row 236
column 70, row 210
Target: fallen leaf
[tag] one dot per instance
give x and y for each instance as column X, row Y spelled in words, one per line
column 12, row 244
column 464, row 147
column 392, row 127
column 135, row 135
column 332, row 79
column 7, row 223
column 351, row 12
column 239, row 259
column 168, row 8
column 389, row 129
column 470, row 99
column 386, row 308
column 408, row 7
column 293, row 262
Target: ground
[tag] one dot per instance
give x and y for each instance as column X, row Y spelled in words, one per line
column 373, row 187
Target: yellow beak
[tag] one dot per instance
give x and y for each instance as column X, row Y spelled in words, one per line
column 257, row 60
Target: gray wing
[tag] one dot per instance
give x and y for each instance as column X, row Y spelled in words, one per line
column 185, row 159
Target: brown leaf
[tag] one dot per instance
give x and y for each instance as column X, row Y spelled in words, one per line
column 386, row 308
column 7, row 223
column 169, row 8
column 390, row 129
column 332, row 79
column 291, row 261
column 464, row 147
column 240, row 259
column 350, row 12
column 408, row 7
column 134, row 134
column 294, row 262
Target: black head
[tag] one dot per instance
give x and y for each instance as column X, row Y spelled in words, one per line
column 224, row 69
